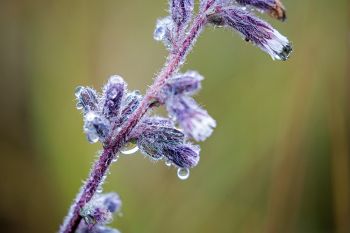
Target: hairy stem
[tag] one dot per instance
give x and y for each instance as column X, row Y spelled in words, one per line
column 110, row 150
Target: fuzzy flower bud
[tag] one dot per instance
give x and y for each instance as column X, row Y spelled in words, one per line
column 254, row 30
column 188, row 83
column 154, row 139
column 86, row 99
column 184, row 156
column 129, row 105
column 112, row 96
column 274, row 7
column 158, row 139
column 96, row 127
column 99, row 210
column 111, row 201
column 181, row 11
column 194, row 120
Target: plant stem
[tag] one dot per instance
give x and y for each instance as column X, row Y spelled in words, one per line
column 101, row 166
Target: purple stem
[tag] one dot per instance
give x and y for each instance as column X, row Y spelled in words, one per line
column 110, row 151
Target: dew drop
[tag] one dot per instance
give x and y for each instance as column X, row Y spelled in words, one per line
column 79, row 106
column 168, row 163
column 183, row 173
column 159, row 33
column 115, row 79
column 78, row 91
column 129, row 148
column 115, row 158
column 92, row 137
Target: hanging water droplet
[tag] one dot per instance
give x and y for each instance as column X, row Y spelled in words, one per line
column 168, row 163
column 79, row 106
column 183, row 173
column 129, row 148
column 159, row 33
column 78, row 91
column 92, row 137
column 115, row 158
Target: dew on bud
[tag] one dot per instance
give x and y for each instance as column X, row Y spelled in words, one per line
column 78, row 91
column 129, row 148
column 96, row 127
column 168, row 163
column 79, row 106
column 183, row 173
column 92, row 137
column 159, row 33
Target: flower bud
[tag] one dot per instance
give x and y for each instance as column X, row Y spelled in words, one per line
column 86, row 99
column 184, row 156
column 254, row 30
column 99, row 210
column 154, row 139
column 181, row 11
column 194, row 120
column 129, row 105
column 188, row 83
column 112, row 96
column 96, row 127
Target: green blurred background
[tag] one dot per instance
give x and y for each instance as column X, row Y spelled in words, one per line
column 278, row 161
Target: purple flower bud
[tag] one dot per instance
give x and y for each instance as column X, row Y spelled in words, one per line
column 255, row 30
column 194, row 120
column 154, row 139
column 188, row 83
column 111, row 201
column 99, row 210
column 94, row 215
column 86, row 99
column 129, row 105
column 83, row 228
column 274, row 7
column 181, row 11
column 163, row 31
column 184, row 156
column 96, row 127
column 112, row 96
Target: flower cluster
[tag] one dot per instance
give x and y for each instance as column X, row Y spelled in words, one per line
column 156, row 137
column 121, row 119
column 230, row 14
column 98, row 212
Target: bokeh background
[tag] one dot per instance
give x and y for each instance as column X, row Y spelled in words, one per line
column 278, row 161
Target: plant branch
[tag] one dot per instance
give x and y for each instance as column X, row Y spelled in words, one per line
column 110, row 150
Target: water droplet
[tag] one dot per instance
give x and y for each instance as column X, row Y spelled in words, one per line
column 159, row 33
column 183, row 173
column 79, row 106
column 78, row 91
column 115, row 79
column 168, row 163
column 113, row 94
column 129, row 148
column 115, row 158
column 92, row 137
